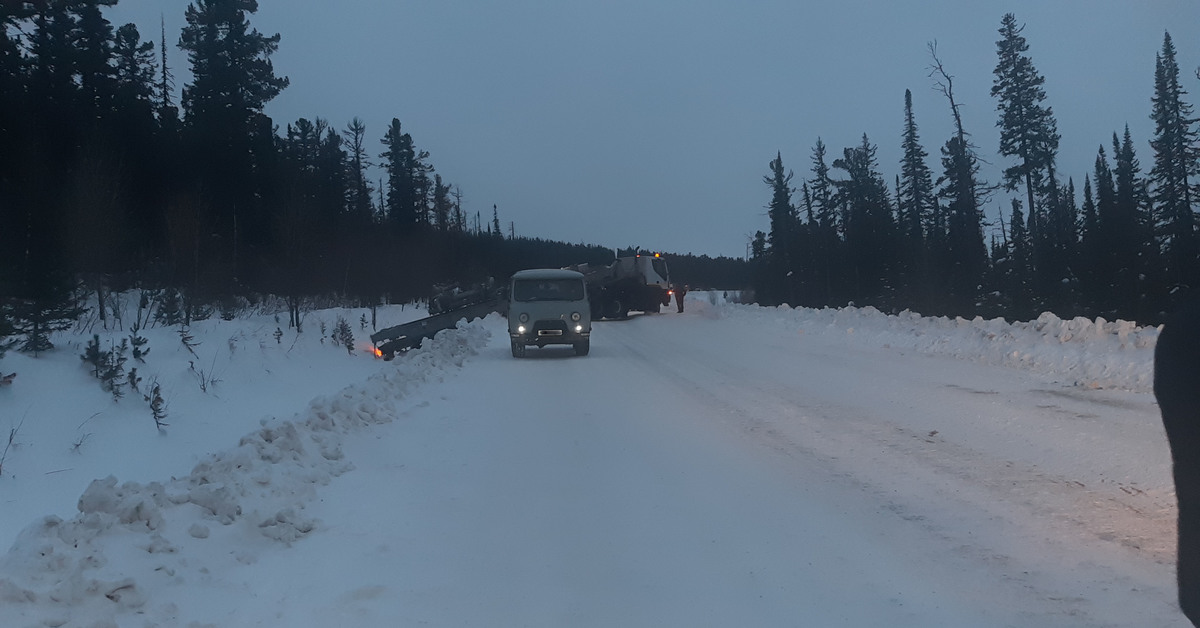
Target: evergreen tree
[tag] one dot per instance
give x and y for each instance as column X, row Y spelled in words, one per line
column 232, row 81
column 782, row 235
column 168, row 114
column 15, row 138
column 496, row 223
column 50, row 308
column 966, row 256
column 1020, row 269
column 407, row 178
column 1129, row 239
column 459, row 219
column 1089, row 262
column 915, row 200
column 1027, row 128
column 1176, row 167
column 442, row 204
column 358, row 189
column 965, row 252
column 6, row 330
column 52, row 48
column 94, row 54
column 823, row 241
column 917, row 210
column 233, row 78
column 94, row 356
column 822, row 189
column 868, row 222
column 134, row 70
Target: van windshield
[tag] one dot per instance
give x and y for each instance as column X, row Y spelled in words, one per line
column 548, row 290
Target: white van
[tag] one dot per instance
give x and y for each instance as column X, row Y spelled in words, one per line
column 548, row 306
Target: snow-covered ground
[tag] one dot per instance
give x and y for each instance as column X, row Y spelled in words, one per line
column 732, row 465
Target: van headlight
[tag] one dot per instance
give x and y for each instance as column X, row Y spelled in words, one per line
column 520, row 329
column 524, row 317
column 578, row 328
column 575, row 316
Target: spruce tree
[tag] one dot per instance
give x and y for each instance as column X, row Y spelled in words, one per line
column 407, row 178
column 964, row 193
column 1176, row 167
column 1089, row 261
column 1130, row 235
column 966, row 254
column 1020, row 266
column 869, row 224
column 442, row 204
column 1027, row 127
column 94, row 55
column 230, row 139
column 51, row 308
column 134, row 71
column 918, row 218
column 358, row 189
column 915, row 199
column 783, row 232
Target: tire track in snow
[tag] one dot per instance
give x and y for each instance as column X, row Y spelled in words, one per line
column 1123, row 537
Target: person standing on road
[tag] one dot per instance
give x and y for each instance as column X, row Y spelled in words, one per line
column 1177, row 390
column 679, row 292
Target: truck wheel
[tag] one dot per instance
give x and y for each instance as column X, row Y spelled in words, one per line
column 582, row 347
column 518, row 349
column 615, row 309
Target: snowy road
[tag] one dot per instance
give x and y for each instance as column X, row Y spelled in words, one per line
column 695, row 472
column 730, row 466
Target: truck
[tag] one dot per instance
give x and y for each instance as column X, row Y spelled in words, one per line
column 631, row 283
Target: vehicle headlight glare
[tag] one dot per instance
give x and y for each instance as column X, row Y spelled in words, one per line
column 524, row 317
column 578, row 328
column 575, row 316
column 520, row 329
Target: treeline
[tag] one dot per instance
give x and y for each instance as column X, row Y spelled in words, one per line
column 107, row 183
column 1128, row 250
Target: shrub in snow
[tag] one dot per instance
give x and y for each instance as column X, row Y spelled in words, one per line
column 137, row 343
column 169, row 312
column 158, row 406
column 94, row 355
column 112, row 372
column 189, row 342
column 343, row 335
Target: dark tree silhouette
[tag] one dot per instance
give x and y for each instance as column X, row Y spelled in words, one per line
column 1176, row 166
column 1027, row 131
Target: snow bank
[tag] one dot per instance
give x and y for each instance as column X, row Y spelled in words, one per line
column 250, row 496
column 1080, row 352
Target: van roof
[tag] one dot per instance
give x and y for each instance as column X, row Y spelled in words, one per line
column 547, row 273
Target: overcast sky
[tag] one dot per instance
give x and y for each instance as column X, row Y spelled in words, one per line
column 652, row 122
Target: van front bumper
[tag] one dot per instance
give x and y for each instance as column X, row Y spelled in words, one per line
column 542, row 335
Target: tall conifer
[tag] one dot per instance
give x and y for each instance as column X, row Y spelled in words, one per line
column 1176, row 166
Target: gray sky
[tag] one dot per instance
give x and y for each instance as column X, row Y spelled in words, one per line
column 651, row 122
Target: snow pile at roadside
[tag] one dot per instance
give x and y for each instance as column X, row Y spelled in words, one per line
column 232, row 505
column 1080, row 352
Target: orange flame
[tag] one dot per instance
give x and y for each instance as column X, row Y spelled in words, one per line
column 378, row 353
